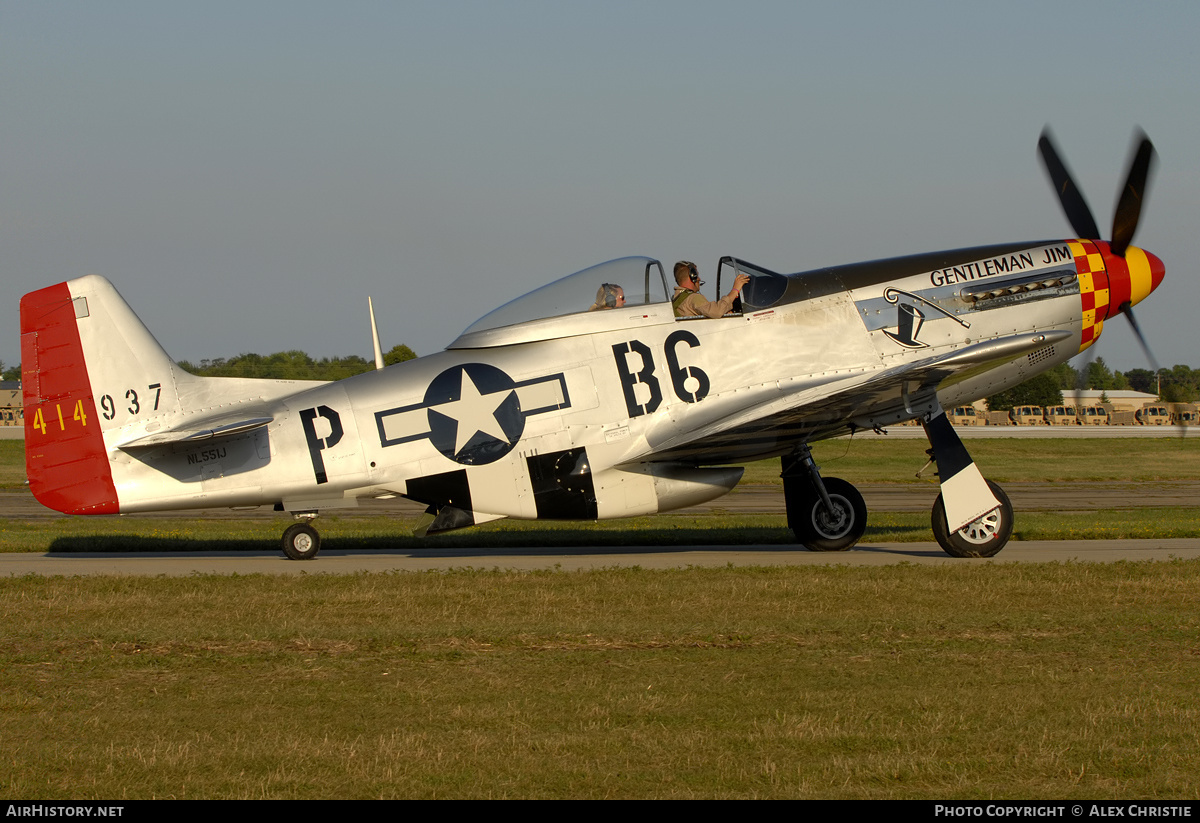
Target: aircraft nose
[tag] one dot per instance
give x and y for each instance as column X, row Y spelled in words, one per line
column 1132, row 278
column 1157, row 270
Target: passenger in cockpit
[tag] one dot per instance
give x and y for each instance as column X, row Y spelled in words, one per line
column 689, row 302
column 610, row 296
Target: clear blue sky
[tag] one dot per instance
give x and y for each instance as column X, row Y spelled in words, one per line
column 246, row 173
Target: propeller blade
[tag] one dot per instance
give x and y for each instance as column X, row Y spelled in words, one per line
column 1075, row 207
column 1129, row 204
column 1081, row 377
column 1127, row 310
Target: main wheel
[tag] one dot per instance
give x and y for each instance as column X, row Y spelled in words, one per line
column 301, row 542
column 821, row 529
column 979, row 538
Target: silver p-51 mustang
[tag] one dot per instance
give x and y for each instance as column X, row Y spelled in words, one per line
column 562, row 406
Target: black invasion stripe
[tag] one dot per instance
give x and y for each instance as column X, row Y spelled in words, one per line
column 446, row 489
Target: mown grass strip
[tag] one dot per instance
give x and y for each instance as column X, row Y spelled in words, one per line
column 131, row 534
column 12, row 464
column 880, row 460
column 959, row 681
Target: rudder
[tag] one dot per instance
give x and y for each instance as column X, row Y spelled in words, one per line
column 65, row 458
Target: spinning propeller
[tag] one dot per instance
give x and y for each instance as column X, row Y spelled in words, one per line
column 1125, row 222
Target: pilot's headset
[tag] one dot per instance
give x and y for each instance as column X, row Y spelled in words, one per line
column 606, row 296
column 692, row 272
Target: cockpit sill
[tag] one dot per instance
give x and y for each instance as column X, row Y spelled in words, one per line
column 570, row 325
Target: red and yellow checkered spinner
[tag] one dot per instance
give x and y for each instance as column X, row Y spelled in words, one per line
column 1108, row 283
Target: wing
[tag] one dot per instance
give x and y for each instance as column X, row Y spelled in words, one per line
column 818, row 408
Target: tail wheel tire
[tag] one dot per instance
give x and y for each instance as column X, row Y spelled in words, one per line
column 823, row 530
column 979, row 538
column 301, row 542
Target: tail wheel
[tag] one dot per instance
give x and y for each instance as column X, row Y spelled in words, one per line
column 301, row 542
column 979, row 538
column 822, row 529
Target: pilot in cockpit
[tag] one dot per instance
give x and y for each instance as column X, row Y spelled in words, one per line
column 689, row 302
column 609, row 296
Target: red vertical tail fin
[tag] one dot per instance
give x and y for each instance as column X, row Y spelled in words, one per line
column 65, row 457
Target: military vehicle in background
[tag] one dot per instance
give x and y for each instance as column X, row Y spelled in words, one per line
column 1098, row 415
column 1028, row 416
column 1061, row 416
column 1184, row 414
column 965, row 416
column 1153, row 414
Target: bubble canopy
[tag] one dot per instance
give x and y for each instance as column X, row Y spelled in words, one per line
column 641, row 278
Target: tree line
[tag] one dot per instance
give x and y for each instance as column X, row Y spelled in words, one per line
column 293, row 365
column 284, row 365
column 1179, row 384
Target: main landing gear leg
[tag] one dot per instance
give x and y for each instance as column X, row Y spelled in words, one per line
column 827, row 515
column 300, row 540
column 972, row 517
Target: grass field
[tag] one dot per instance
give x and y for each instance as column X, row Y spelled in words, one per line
column 12, row 464
column 968, row 681
column 963, row 681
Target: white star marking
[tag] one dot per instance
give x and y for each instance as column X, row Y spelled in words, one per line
column 474, row 412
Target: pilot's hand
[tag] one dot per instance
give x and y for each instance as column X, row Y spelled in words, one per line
column 739, row 282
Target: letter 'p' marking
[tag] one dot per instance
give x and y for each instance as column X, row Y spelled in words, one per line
column 317, row 444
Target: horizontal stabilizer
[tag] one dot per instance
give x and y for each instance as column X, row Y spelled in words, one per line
column 199, row 431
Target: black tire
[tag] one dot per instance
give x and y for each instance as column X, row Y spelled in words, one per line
column 822, row 531
column 301, row 542
column 980, row 538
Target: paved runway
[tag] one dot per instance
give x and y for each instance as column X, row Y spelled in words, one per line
column 343, row 562
column 19, row 504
